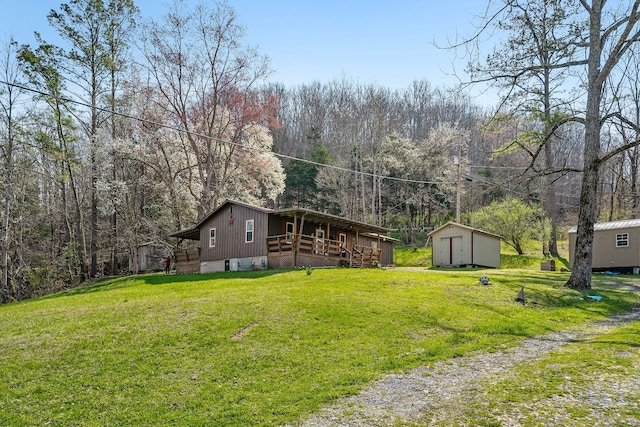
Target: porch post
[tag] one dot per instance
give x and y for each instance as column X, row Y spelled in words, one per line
column 328, row 238
column 298, row 237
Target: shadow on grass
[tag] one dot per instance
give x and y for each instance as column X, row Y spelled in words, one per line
column 161, row 279
column 563, row 261
column 106, row 284
column 87, row 288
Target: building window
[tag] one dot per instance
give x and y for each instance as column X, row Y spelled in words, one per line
column 289, row 230
column 249, row 231
column 212, row 237
column 622, row 240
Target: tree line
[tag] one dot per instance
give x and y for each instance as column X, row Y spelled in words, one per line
column 131, row 129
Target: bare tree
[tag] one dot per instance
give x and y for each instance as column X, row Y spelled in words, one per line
column 629, row 130
column 359, row 125
column 120, row 15
column 608, row 42
column 92, row 31
column 205, row 79
column 539, row 36
column 584, row 30
column 10, row 94
column 57, row 144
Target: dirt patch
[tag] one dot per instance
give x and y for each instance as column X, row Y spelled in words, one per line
column 242, row 332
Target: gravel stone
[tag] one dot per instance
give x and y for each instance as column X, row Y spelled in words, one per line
column 433, row 395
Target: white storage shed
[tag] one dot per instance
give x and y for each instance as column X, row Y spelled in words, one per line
column 457, row 245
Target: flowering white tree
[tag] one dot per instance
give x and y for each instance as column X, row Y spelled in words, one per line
column 256, row 175
column 204, row 86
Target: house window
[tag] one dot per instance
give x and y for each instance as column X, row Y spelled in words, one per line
column 622, row 240
column 212, row 237
column 249, row 231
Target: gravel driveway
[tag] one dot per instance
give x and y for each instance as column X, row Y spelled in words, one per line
column 436, row 395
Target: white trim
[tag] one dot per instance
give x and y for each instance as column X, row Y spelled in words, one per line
column 247, row 231
column 622, row 240
column 214, row 237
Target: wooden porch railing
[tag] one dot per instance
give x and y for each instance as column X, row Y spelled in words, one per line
column 359, row 256
column 280, row 244
column 308, row 245
column 187, row 261
column 366, row 256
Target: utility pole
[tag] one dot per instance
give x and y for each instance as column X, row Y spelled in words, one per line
column 456, row 161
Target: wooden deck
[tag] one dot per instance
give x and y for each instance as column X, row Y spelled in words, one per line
column 366, row 256
column 314, row 252
column 188, row 261
column 285, row 252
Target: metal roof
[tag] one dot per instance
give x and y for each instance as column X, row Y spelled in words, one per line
column 321, row 216
column 194, row 232
column 613, row 225
column 455, row 224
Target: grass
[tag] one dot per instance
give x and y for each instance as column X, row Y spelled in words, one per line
column 412, row 257
column 259, row 348
column 509, row 258
column 568, row 387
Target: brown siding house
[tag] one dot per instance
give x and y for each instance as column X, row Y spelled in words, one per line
column 237, row 236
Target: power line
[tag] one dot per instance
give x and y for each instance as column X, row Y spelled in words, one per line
column 222, row 141
column 523, row 194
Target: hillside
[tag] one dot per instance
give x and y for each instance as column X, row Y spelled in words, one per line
column 420, row 256
column 264, row 348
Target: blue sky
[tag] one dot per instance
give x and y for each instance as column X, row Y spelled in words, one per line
column 389, row 43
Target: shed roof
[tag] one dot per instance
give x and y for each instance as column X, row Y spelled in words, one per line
column 613, row 225
column 475, row 230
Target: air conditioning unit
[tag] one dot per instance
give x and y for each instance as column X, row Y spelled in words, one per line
column 233, row 264
column 245, row 264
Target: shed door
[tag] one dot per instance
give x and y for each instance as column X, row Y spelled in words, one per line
column 451, row 250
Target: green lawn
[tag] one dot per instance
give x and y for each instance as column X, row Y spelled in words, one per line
column 581, row 384
column 509, row 259
column 261, row 348
column 412, row 257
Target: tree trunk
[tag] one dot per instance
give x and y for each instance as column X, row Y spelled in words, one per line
column 583, row 257
column 410, row 237
column 581, row 268
column 7, row 203
column 9, row 98
column 363, row 191
column 93, row 246
column 373, row 192
column 551, row 207
column 114, row 172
